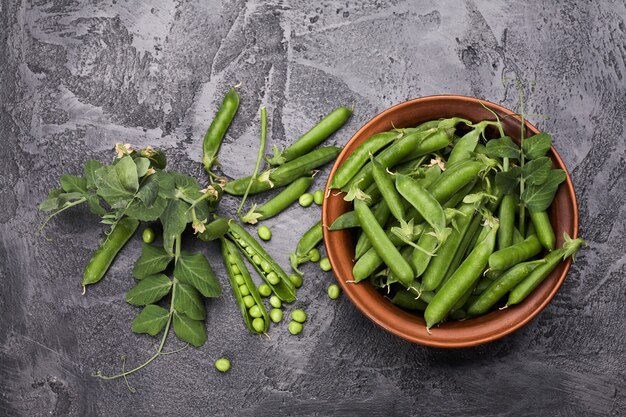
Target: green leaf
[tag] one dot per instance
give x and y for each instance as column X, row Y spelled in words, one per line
column 194, row 269
column 174, row 220
column 508, row 180
column 94, row 205
column 118, row 184
column 502, row 148
column 52, row 201
column 186, row 186
column 189, row 330
column 74, row 184
column 536, row 172
column 65, row 198
column 539, row 197
column 152, row 260
column 187, row 300
column 151, row 320
column 149, row 190
column 89, row 172
column 537, row 146
column 149, row 290
column 142, row 165
column 138, row 210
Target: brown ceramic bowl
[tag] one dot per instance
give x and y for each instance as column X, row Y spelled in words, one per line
column 340, row 245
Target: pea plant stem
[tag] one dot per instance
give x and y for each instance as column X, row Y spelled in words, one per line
column 258, row 159
column 522, row 208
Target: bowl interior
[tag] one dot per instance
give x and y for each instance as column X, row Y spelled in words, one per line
column 340, row 245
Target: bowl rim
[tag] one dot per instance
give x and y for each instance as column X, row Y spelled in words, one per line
column 382, row 319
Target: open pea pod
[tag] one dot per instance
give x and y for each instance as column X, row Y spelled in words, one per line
column 270, row 271
column 240, row 278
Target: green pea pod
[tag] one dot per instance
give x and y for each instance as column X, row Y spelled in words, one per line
column 496, row 289
column 215, row 134
column 465, row 146
column 543, row 229
column 423, row 201
column 385, row 183
column 421, row 257
column 461, row 280
column 326, row 127
column 363, row 243
column 360, row 156
column 349, row 220
column 280, row 202
column 455, row 178
column 404, row 149
column 371, row 260
column 506, row 215
column 408, row 301
column 382, row 244
column 284, row 174
column 505, row 258
column 431, row 124
column 458, row 197
column 248, row 245
column 468, row 241
column 536, row 277
column 108, row 250
column 215, row 230
column 236, row 269
column 306, row 244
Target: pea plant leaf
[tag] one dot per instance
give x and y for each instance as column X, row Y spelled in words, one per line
column 508, row 180
column 189, row 330
column 536, row 172
column 151, row 320
column 174, row 220
column 502, row 148
column 215, row 229
column 149, row 290
column 186, row 187
column 117, row 184
column 52, row 201
column 89, row 172
column 539, row 197
column 94, row 205
column 194, row 269
column 74, row 184
column 142, row 165
column 537, row 146
column 152, row 261
column 187, row 300
column 138, row 210
column 149, row 190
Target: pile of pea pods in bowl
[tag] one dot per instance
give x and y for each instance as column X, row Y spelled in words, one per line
column 448, row 224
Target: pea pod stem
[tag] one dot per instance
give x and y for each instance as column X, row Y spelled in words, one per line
column 258, row 159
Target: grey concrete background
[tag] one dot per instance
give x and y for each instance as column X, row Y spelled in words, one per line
column 77, row 77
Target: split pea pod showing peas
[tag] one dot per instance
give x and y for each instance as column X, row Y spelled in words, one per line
column 281, row 201
column 249, row 300
column 461, row 280
column 307, row 243
column 108, row 250
column 215, row 134
column 318, row 133
column 382, row 244
column 269, row 270
column 284, row 174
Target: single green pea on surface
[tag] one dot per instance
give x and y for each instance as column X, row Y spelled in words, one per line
column 298, row 315
column 296, row 280
column 333, row 291
column 276, row 314
column 294, row 327
column 264, row 232
column 265, row 290
column 275, row 302
column 314, row 255
column 325, row 265
column 306, row 199
column 318, row 197
column 222, row 365
column 148, row 235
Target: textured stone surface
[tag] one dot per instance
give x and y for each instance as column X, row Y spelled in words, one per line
column 77, row 77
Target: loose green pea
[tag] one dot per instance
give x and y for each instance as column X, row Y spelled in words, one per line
column 244, row 290
column 306, row 200
column 314, row 255
column 275, row 302
column 276, row 315
column 318, row 197
column 239, row 279
column 272, row 278
column 296, row 280
column 298, row 315
column 258, row 324
column 148, row 235
column 295, row 327
column 265, row 290
column 264, row 232
column 248, row 301
column 257, row 259
column 325, row 265
column 255, row 311
column 265, row 266
column 333, row 291
column 222, row 364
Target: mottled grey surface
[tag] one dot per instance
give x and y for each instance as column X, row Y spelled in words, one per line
column 77, row 77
